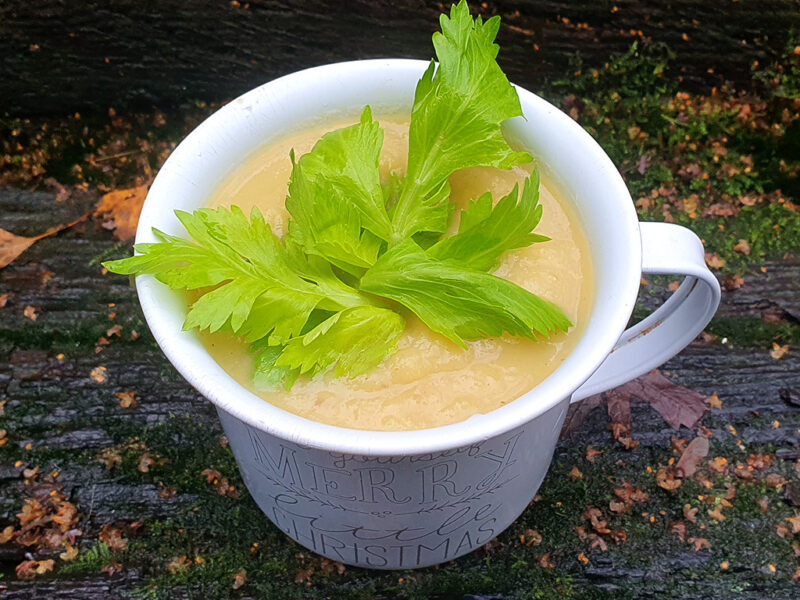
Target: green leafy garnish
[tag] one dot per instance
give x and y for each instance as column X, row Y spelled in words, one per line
column 455, row 122
column 358, row 252
column 457, row 301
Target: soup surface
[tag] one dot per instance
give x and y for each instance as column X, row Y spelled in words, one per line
column 430, row 381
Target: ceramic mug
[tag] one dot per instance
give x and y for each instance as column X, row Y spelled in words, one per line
column 391, row 500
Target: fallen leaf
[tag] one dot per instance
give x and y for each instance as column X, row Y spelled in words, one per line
column 591, row 453
column 99, row 374
column 679, row 529
column 6, row 535
column 716, row 513
column 763, row 503
column 575, row 474
column 619, row 412
column 120, row 210
column 4, row 299
column 531, row 537
column 775, row 480
column 732, row 282
column 691, row 457
column 700, row 543
column 112, row 537
column 713, row 401
column 619, row 507
column 29, row 569
column 544, row 562
column 759, row 461
column 66, row 516
column 666, row 479
column 126, row 399
column 145, row 462
column 627, row 493
column 304, row 576
column 110, row 457
column 33, row 513
column 239, row 579
column 211, row 475
column 792, row 495
column 676, row 404
column 30, row 313
column 114, row 331
column 673, row 286
column 70, row 553
column 743, row 247
column 782, row 531
column 112, row 568
column 778, row 351
column 678, row 445
column 689, row 513
column 11, row 246
column 593, row 515
column 595, row 541
column 178, row 563
column 619, row 536
column 167, row 491
column 577, row 413
column 794, row 522
column 718, row 464
column 714, row 261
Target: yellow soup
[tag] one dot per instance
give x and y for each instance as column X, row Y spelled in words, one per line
column 430, row 381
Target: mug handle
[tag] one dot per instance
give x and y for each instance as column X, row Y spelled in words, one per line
column 667, row 249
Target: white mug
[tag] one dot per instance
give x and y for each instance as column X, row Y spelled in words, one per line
column 392, row 500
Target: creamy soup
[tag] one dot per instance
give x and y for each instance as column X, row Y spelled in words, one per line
column 430, row 381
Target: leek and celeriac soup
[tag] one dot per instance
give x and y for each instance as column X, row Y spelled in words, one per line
column 429, row 381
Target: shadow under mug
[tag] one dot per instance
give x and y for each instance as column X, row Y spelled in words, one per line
column 392, row 500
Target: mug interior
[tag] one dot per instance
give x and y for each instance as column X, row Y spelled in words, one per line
column 565, row 153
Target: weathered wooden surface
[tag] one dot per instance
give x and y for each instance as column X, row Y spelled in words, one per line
column 69, row 419
column 60, row 57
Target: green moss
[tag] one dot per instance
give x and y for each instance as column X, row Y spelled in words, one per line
column 751, row 331
column 90, row 562
column 726, row 165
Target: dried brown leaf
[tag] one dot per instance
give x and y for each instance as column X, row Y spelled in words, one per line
column 718, row 464
column 676, row 404
column 29, row 569
column 120, row 210
column 666, row 479
column 126, row 399
column 211, row 475
column 794, row 522
column 239, row 579
column 775, row 480
column 178, row 563
column 716, row 513
column 743, row 247
column 70, row 553
column 700, row 543
column 11, row 246
column 112, row 537
column 696, row 451
column 714, row 261
column 145, row 462
column 679, row 529
column 778, row 351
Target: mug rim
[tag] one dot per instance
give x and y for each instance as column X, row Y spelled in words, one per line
column 163, row 313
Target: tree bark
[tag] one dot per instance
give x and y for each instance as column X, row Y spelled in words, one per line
column 59, row 57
